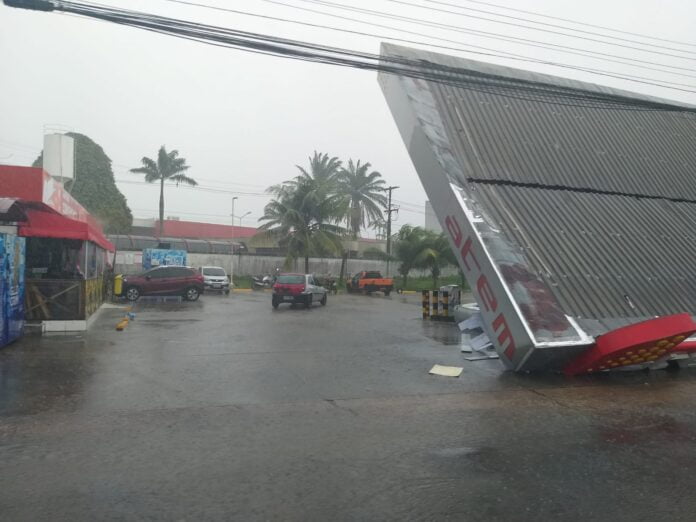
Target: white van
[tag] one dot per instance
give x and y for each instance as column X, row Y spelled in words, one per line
column 215, row 278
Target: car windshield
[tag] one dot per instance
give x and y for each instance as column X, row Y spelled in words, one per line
column 214, row 271
column 291, row 279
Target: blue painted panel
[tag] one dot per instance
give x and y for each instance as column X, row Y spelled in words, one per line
column 12, row 258
column 153, row 257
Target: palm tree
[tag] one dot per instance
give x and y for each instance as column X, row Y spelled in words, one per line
column 407, row 246
column 416, row 247
column 302, row 214
column 361, row 194
column 322, row 169
column 168, row 167
column 364, row 195
column 435, row 253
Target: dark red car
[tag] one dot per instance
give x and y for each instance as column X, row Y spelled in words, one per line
column 165, row 280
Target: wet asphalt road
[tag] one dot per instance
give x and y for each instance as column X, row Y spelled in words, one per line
column 227, row 410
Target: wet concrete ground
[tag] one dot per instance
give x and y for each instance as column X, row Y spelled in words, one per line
column 224, row 409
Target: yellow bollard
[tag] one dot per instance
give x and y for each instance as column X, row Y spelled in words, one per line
column 118, row 284
column 435, row 315
column 426, row 304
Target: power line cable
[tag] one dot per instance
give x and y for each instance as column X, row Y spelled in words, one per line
column 513, row 88
column 447, row 11
column 202, row 188
column 506, row 55
column 484, row 34
column 550, row 17
column 272, row 53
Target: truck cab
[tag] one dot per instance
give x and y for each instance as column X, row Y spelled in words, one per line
column 369, row 281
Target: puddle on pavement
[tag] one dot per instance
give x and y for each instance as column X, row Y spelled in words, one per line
column 445, row 333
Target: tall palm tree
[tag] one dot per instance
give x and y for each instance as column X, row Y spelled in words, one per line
column 363, row 191
column 168, row 167
column 302, row 214
column 361, row 194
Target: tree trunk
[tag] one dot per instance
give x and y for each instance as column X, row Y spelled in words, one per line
column 344, row 257
column 306, row 264
column 161, row 208
column 405, row 276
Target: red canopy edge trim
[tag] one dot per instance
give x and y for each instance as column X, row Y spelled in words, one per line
column 52, row 224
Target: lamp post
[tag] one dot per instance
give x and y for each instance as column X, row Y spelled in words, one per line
column 242, row 217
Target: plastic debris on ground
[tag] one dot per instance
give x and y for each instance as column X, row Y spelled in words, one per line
column 472, row 323
column 480, row 342
column 446, row 371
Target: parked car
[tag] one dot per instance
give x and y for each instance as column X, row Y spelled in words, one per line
column 298, row 288
column 165, row 280
column 215, row 278
column 370, row 281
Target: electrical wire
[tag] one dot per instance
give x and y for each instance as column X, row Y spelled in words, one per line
column 549, row 17
column 484, row 34
column 506, row 55
column 417, row 69
column 447, row 11
column 201, row 188
column 491, row 51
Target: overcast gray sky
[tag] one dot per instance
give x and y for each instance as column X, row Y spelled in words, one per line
column 243, row 120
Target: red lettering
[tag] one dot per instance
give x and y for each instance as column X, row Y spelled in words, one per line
column 486, row 294
column 454, row 230
column 504, row 336
column 466, row 250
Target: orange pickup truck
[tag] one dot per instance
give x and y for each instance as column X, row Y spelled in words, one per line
column 368, row 282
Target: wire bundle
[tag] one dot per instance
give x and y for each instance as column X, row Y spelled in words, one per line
column 324, row 54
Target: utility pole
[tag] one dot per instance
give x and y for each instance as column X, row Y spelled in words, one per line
column 232, row 245
column 390, row 209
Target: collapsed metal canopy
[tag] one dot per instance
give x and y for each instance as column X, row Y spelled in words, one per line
column 570, row 219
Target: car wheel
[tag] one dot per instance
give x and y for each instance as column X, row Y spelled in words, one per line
column 308, row 302
column 275, row 303
column 132, row 293
column 323, row 299
column 227, row 292
column 387, row 292
column 191, row 293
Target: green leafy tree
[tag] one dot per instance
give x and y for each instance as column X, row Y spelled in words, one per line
column 302, row 215
column 94, row 186
column 168, row 167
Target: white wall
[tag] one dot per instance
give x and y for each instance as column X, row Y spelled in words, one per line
column 246, row 265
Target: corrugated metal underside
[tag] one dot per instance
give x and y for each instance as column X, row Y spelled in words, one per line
column 601, row 201
column 557, row 144
column 603, row 256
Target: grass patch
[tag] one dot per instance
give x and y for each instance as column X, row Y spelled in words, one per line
column 418, row 284
column 241, row 281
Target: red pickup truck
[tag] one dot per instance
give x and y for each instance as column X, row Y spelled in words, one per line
column 368, row 282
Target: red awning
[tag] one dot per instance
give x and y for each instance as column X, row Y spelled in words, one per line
column 52, row 224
